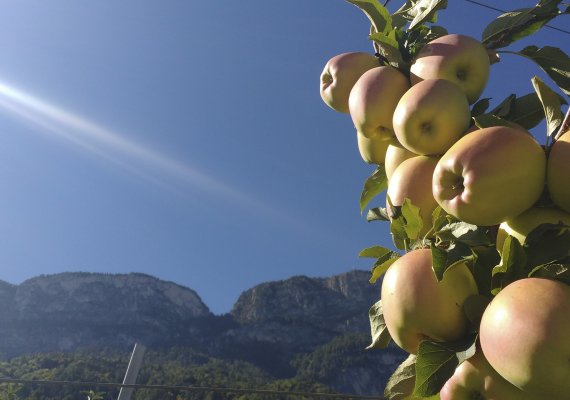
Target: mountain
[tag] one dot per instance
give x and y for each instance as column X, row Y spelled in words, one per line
column 298, row 331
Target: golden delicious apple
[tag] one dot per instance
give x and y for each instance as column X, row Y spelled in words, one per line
column 431, row 116
column 558, row 172
column 521, row 225
column 374, row 98
column 395, row 155
column 525, row 335
column 339, row 76
column 490, row 175
column 373, row 149
column 456, row 58
column 476, row 379
column 416, row 306
column 412, row 179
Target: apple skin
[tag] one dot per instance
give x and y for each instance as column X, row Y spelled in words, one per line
column 431, row 116
column 524, row 334
column 457, row 58
column 521, row 225
column 373, row 150
column 558, row 172
column 395, row 155
column 412, row 179
column 416, row 306
column 374, row 98
column 339, row 76
column 476, row 379
column 490, row 175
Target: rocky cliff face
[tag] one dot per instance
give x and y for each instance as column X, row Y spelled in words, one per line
column 105, row 299
column 305, row 312
column 84, row 310
column 271, row 325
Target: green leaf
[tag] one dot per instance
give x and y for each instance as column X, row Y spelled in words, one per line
column 558, row 272
column 374, row 185
column 553, row 61
column 400, row 386
column 397, row 226
column 517, row 24
column 378, row 15
column 486, row 258
column 421, row 11
column 551, row 105
column 480, row 107
column 511, row 267
column 374, row 252
column 462, row 232
column 527, row 110
column 378, row 330
column 377, row 214
column 414, row 223
column 474, row 306
column 498, row 33
column 381, row 266
column 441, row 218
column 504, row 108
column 388, row 46
column 489, row 120
column 547, row 243
column 436, row 363
column 445, row 258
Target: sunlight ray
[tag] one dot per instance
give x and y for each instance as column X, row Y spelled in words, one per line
column 135, row 157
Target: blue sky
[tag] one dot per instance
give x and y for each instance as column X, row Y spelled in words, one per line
column 187, row 139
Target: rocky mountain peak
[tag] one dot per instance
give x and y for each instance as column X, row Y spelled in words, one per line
column 307, row 298
column 105, row 298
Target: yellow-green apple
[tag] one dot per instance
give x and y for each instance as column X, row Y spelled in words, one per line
column 457, row 58
column 521, row 225
column 373, row 149
column 476, row 379
column 417, row 306
column 524, row 334
column 374, row 98
column 339, row 76
column 558, row 172
column 431, row 116
column 490, row 175
column 395, row 155
column 412, row 180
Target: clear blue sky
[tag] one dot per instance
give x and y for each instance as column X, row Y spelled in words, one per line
column 187, row 139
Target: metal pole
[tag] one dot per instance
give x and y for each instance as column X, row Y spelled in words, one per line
column 132, row 372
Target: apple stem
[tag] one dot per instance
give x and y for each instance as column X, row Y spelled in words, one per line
column 565, row 125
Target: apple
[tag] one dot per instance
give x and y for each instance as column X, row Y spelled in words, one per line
column 525, row 334
column 456, row 58
column 558, row 172
column 431, row 116
column 416, row 306
column 374, row 98
column 373, row 149
column 412, row 179
column 395, row 155
column 476, row 379
column 490, row 175
column 521, row 225
column 339, row 76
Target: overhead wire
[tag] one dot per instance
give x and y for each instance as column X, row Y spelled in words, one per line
column 201, row 389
